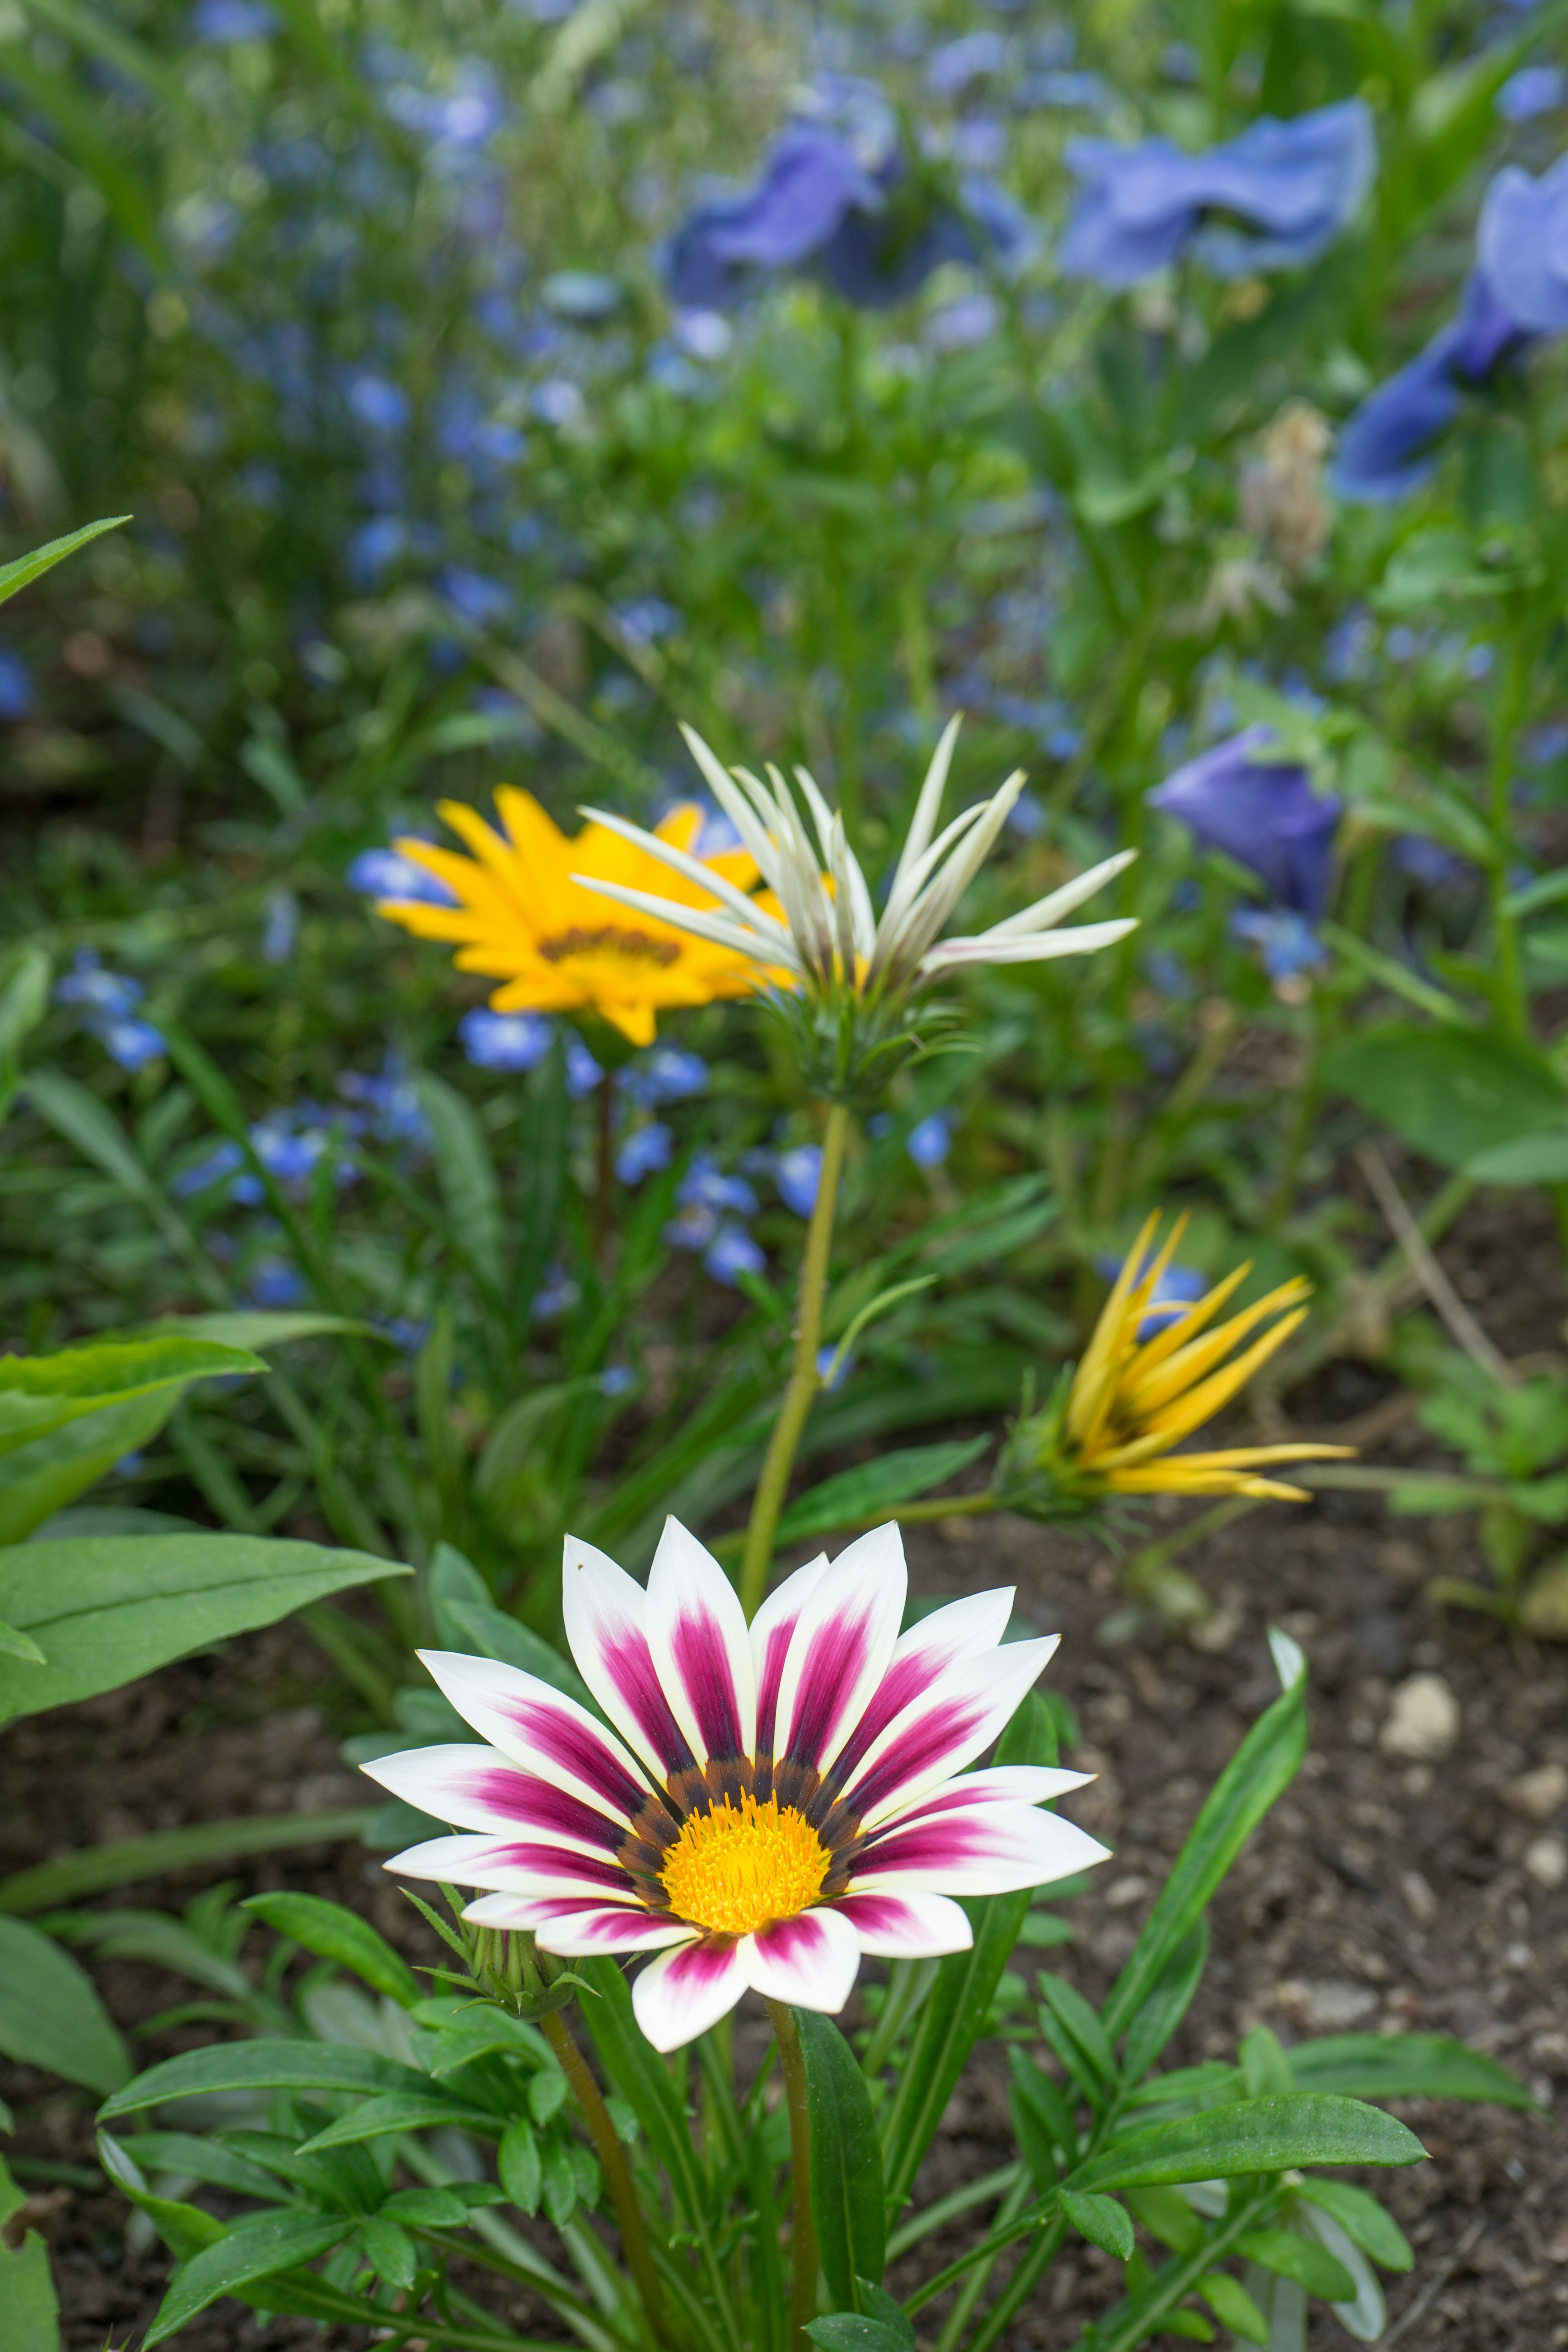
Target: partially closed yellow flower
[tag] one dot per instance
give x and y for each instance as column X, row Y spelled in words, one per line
column 522, row 920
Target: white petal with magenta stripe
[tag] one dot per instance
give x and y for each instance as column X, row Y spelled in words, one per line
column 810, row 1961
column 540, row 1729
column 954, row 1721
column 684, row 1991
column 771, row 1629
column 964, row 1628
column 575, row 1931
column 840, row 1648
column 907, row 1926
column 516, row 1866
column 605, row 1613
column 985, row 1850
column 701, row 1648
column 479, row 1790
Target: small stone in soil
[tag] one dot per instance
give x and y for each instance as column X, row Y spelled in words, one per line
column 1546, row 1859
column 1422, row 1721
column 1540, row 1792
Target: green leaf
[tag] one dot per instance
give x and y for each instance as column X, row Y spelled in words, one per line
column 20, row 1645
column 1263, row 1765
column 1360, row 2217
column 256, row 1329
column 1041, row 2124
column 199, row 2159
column 41, row 1394
column 1082, row 2026
column 1264, row 2067
column 16, row 575
column 467, row 1619
column 23, row 1000
column 105, row 1610
column 847, row 2193
column 954, row 2015
column 1168, row 2217
column 1302, row 2259
column 643, row 2079
column 40, row 1479
column 1233, row 2306
column 467, row 1176
column 338, row 1935
column 847, row 2331
column 389, row 2250
column 124, row 1860
column 876, row 1486
column 1405, row 2066
column 1104, row 2222
column 560, row 2183
column 50, row 2014
column 518, row 2162
column 1154, row 2023
column 399, row 2112
column 29, row 2315
column 250, row 2250
column 1455, row 1094
column 1272, row 2135
column 264, row 2066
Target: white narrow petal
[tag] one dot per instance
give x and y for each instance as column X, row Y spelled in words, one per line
column 840, row 1648
column 769, row 946
column 907, row 888
column 920, row 1660
column 821, row 814
column 540, row 1729
column 983, row 1850
column 681, row 861
column 946, row 1727
column 1012, row 1784
column 924, row 823
column 573, row 1930
column 843, row 897
column 925, row 918
column 684, row 1991
column 1042, row 947
column 1050, row 910
column 698, row 1638
column 772, row 1628
column 479, row 1790
column 754, row 826
column 810, row 1961
column 516, row 1866
column 605, row 1613
column 911, row 1927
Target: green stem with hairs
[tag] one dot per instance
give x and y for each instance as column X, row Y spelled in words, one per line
column 802, row 2248
column 617, row 2174
column 803, row 1382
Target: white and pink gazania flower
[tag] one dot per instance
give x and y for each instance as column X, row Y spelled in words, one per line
column 770, row 1801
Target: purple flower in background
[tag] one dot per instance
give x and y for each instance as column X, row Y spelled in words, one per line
column 616, row 1380
column 483, row 603
column 929, row 1142
column 824, row 1357
column 1285, row 941
column 505, row 1041
column 1274, row 198
column 1177, row 1290
column 108, row 1000
column 732, row 1252
column 224, row 1159
column 664, row 1074
column 131, row 1044
column 280, row 931
column 1426, row 862
column 1532, row 90
column 1262, row 813
column 16, row 685
column 378, row 405
column 383, row 874
column 957, row 63
column 277, row 1283
column 694, row 1228
column 582, row 1073
column 388, row 1103
column 708, row 1187
column 1386, row 448
column 645, row 1151
column 232, row 20
column 555, row 1294
column 1523, row 247
column 798, row 1175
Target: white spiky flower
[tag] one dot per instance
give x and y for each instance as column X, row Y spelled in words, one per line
column 831, row 944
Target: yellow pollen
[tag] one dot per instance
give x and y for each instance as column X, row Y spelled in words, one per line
column 732, row 1870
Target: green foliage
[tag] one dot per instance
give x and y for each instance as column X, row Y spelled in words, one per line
column 51, row 2017
column 847, row 2197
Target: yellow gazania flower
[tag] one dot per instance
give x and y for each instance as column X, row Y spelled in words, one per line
column 1132, row 1401
column 522, row 917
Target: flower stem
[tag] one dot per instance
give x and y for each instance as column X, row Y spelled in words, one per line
column 803, row 1382
column 617, row 2174
column 802, row 2248
column 604, row 1183
column 1513, row 697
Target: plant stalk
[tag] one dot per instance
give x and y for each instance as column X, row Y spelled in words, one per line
column 803, row 1382
column 802, row 2247
column 604, row 1180
column 617, row 2174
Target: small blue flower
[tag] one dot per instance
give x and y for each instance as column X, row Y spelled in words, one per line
column 505, row 1041
column 1425, row 861
column 798, row 1175
column 1386, row 448
column 810, row 177
column 554, row 1296
column 483, row 603
column 218, row 21
column 1285, row 939
column 1521, row 243
column 645, row 1151
column 277, row 1283
column 406, row 1332
column 1179, row 1288
column 582, row 1073
column 1533, row 91
column 694, row 1228
column 222, row 1162
column 732, row 1252
column 1274, row 198
column 378, row 405
column 388, row 1102
column 1262, row 813
column 16, row 685
column 383, row 874
column 281, row 930
column 106, row 995
column 664, row 1074
column 616, row 1380
column 957, row 63
column 584, row 297
column 709, row 1186
column 929, row 1141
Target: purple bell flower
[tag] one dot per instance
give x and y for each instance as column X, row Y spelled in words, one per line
column 1386, row 448
column 1282, row 191
column 1523, row 247
column 1262, row 813
column 809, row 179
column 1285, row 941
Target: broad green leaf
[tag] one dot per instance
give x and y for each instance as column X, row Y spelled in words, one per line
column 876, row 1486
column 389, row 2250
column 1362, row 2313
column 467, row 1176
column 1104, row 2222
column 846, row 2195
column 105, row 1610
column 29, row 2314
column 124, row 1860
column 954, row 2013
column 248, row 2251
column 1453, row 1094
column 399, row 2112
column 50, row 2015
column 264, row 2066
column 254, row 1329
column 20, row 1645
column 1166, row 2215
column 847, row 2331
column 155, row 1936
column 1265, row 2070
column 199, row 2159
column 518, row 2163
column 16, row 575
column 1082, row 2025
column 338, row 1935
column 1041, row 2124
column 1301, row 2129
column 42, row 1478
column 1233, row 2306
column 1404, row 2066
column 42, row 1393
column 1302, row 2259
column 23, row 1000
column 1372, row 2225
column 1162, row 2014
column 1265, row 1763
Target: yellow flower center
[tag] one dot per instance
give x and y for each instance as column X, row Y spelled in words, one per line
column 732, row 1870
column 609, row 938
